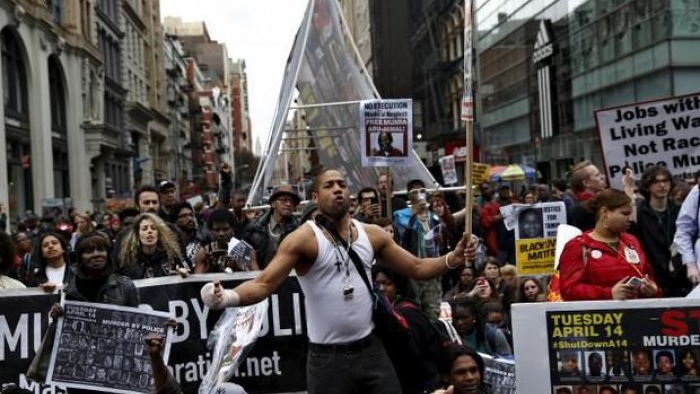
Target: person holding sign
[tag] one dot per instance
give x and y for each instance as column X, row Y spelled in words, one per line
column 330, row 255
column 607, row 262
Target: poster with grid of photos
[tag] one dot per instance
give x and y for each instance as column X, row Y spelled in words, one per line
column 101, row 347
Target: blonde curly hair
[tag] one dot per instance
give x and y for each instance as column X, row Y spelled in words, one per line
column 131, row 246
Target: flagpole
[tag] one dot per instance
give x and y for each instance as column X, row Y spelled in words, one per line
column 468, row 117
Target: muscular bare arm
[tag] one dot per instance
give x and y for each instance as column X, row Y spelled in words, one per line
column 299, row 245
column 411, row 266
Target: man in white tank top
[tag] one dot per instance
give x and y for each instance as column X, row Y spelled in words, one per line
column 344, row 355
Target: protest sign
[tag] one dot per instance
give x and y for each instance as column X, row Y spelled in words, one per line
column 55, row 207
column 386, row 132
column 499, row 375
column 480, row 173
column 21, row 331
column 240, row 252
column 277, row 362
column 665, row 132
column 100, row 347
column 535, row 229
column 449, row 171
column 231, row 340
column 610, row 343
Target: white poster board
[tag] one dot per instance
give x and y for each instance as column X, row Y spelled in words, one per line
column 620, row 332
column 386, row 132
column 449, row 170
column 665, row 132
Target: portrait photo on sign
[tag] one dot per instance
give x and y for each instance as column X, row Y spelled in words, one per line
column 595, row 364
column 530, row 223
column 569, row 364
column 387, row 144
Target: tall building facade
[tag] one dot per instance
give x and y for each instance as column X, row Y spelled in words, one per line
column 546, row 66
column 143, row 75
column 177, row 97
column 240, row 107
column 107, row 143
column 45, row 46
column 211, row 107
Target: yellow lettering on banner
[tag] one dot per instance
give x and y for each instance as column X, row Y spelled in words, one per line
column 535, row 256
column 589, row 325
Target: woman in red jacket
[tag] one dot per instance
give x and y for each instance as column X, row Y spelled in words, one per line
column 607, row 263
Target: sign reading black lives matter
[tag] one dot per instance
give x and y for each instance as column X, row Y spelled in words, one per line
column 386, row 132
column 665, row 132
column 639, row 348
column 101, row 347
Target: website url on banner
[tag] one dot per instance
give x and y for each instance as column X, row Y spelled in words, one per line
column 583, row 344
column 260, row 366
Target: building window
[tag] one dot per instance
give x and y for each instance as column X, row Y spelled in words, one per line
column 14, row 76
column 56, row 9
column 58, row 104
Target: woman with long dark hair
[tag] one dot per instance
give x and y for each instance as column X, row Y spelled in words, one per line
column 50, row 263
column 530, row 290
column 607, row 263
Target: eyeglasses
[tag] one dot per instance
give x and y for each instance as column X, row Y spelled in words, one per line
column 285, row 200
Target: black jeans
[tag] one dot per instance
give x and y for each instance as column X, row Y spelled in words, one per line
column 359, row 367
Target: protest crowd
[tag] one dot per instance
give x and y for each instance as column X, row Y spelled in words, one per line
column 640, row 242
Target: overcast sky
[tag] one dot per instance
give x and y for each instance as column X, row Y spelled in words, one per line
column 259, row 31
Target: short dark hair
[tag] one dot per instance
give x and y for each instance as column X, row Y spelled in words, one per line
column 182, row 205
column 316, row 185
column 220, row 216
column 367, row 190
column 663, row 353
column 144, row 189
column 413, row 183
column 128, row 212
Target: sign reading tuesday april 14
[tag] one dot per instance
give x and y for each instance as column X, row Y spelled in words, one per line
column 665, row 132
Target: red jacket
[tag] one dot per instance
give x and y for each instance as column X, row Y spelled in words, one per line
column 589, row 269
column 489, row 227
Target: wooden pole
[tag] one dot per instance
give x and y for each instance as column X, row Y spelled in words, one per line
column 468, row 176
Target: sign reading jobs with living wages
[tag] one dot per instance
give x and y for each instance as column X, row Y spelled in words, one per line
column 386, row 132
column 665, row 132
column 637, row 344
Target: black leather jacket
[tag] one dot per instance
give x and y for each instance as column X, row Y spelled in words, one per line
column 257, row 236
column 118, row 290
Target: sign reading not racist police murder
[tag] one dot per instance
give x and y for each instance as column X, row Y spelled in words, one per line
column 665, row 132
column 101, row 347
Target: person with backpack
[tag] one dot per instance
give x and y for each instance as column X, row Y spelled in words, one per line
column 416, row 363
